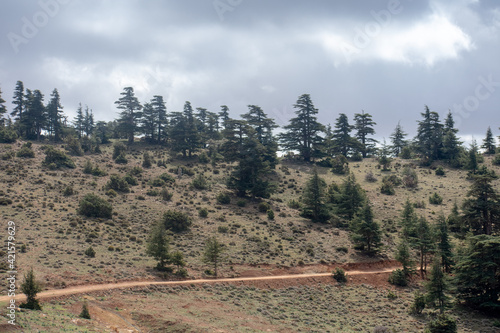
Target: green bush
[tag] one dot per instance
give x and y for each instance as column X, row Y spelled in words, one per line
column 147, row 160
column 223, row 198
column 440, row 171
column 167, row 178
column 410, row 177
column 406, row 153
column 387, row 188
column 340, row 165
column 73, row 146
column 118, row 184
column 26, row 151
column 85, row 314
column 57, row 158
column 136, row 171
column 7, row 135
column 131, row 180
column 203, row 158
column 203, row 213
column 118, row 149
column 418, row 304
column 398, row 278
column 442, row 324
column 90, row 252
column 294, row 204
column 176, row 221
column 157, row 182
column 88, row 167
column 241, row 203
column 435, row 199
column 166, row 195
column 200, row 182
column 339, row 275
column 270, row 214
column 68, row 191
column 121, row 159
column 264, row 207
column 153, row 193
column 496, row 160
column 111, row 193
column 93, row 206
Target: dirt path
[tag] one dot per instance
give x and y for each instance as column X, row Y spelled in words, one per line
column 131, row 284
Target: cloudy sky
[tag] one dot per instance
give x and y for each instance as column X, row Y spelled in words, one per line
column 388, row 58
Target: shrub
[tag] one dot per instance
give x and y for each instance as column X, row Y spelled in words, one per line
column 152, row 193
column 357, row 157
column 393, row 179
column 121, row 159
column 68, row 191
column 203, row 158
column 147, row 160
column 5, row 201
column 8, row 155
column 340, row 165
column 496, row 160
column 222, row 229
column 325, row 163
column 442, row 324
column 118, row 184
column 203, row 212
column 418, row 304
column 294, row 204
column 157, row 182
column 440, row 171
column 369, row 177
column 270, row 214
column 387, row 188
column 410, row 178
column 7, row 135
column 176, row 221
column 398, row 278
column 381, row 329
column 73, row 146
column 111, row 193
column 26, row 151
column 85, row 311
column 93, row 206
column 200, row 182
column 223, row 198
column 406, row 153
column 57, row 158
column 264, row 207
column 339, row 275
column 118, row 149
column 166, row 195
column 131, row 180
column 88, row 167
column 90, row 252
column 167, row 178
column 241, row 203
column 136, row 171
column 435, row 199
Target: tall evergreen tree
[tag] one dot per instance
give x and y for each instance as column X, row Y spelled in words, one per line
column 342, row 140
column 477, row 271
column 130, row 114
column 423, row 242
column 303, row 132
column 409, row 220
column 30, row 287
column 88, row 122
column 201, row 123
column 18, row 101
column 224, row 115
column 366, row 232
column 429, row 135
column 213, row 126
column 158, row 245
column 351, row 198
column 213, row 253
column 35, row 114
column 489, row 144
column 472, row 162
column 54, row 116
column 364, row 127
column 314, row 199
column 192, row 137
column 79, row 119
column 444, row 245
column 437, row 287
column 263, row 127
column 160, row 113
column 451, row 144
column 148, row 122
column 398, row 140
column 482, row 207
column 403, row 255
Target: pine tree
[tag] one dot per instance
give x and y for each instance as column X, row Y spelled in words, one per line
column 408, row 220
column 177, row 133
column 422, row 242
column 303, row 132
column 481, row 208
column 30, row 287
column 398, row 140
column 263, row 127
column 130, row 114
column 437, row 287
column 158, row 245
column 365, row 231
column 54, row 116
column 342, row 140
column 148, row 122
column 213, row 126
column 444, row 245
column 85, row 314
column 213, row 253
column 34, row 119
column 78, row 122
column 451, row 144
column 472, row 162
column 313, row 199
column 3, row 109
column 489, row 143
column 429, row 135
column 477, row 271
column 351, row 198
column 18, row 101
column 160, row 113
column 364, row 127
column 404, row 257
column 192, row 137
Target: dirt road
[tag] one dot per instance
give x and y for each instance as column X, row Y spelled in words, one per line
column 131, row 284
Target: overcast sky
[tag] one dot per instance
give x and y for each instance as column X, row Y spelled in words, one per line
column 388, row 58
